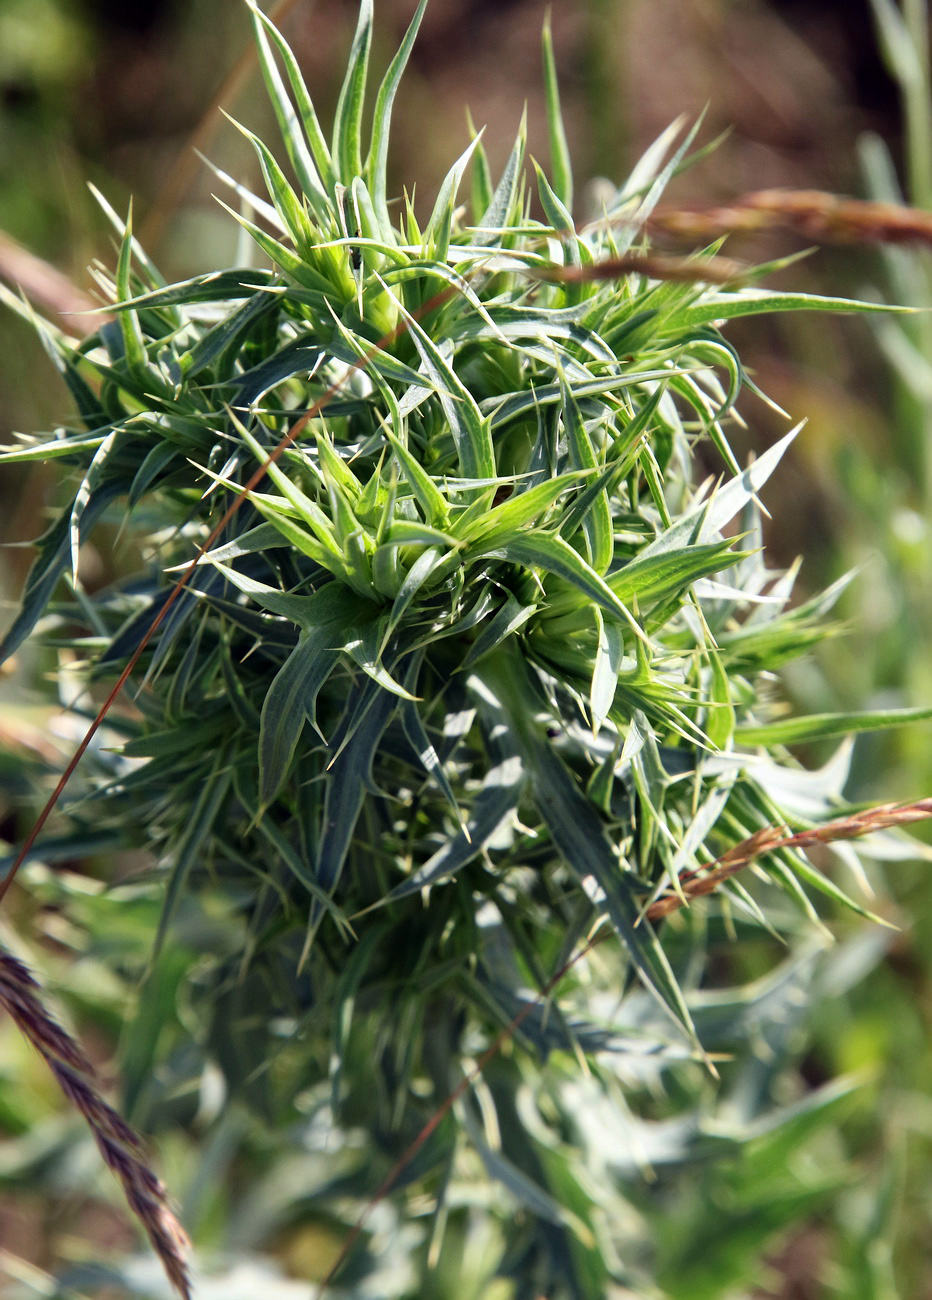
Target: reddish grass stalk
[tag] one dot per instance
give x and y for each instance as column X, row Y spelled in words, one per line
column 120, row 1146
column 825, row 218
column 695, row 883
column 658, row 266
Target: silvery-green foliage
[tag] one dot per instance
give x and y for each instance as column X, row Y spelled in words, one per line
column 484, row 661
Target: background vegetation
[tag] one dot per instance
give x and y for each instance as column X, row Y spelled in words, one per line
column 815, row 100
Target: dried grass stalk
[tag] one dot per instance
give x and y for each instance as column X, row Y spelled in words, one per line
column 825, row 218
column 120, row 1146
column 694, row 883
column 659, row 266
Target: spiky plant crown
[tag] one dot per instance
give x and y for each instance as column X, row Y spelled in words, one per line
column 479, row 662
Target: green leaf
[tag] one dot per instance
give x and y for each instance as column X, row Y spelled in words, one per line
column 139, row 253
column 67, row 446
column 528, row 1194
column 827, row 726
column 648, row 172
column 576, row 252
column 331, row 604
column 352, row 348
column 157, row 1002
column 227, row 333
column 542, row 324
column 306, row 111
column 510, row 619
column 54, row 551
column 260, row 538
column 347, row 125
column 709, row 517
column 327, row 554
column 422, row 569
column 470, row 429
column 96, row 474
column 363, row 643
column 605, row 670
column 481, row 193
column 287, row 204
column 377, row 161
column 436, row 239
column 597, row 523
column 433, row 504
column 307, row 510
column 578, row 833
column 755, row 302
column 289, row 701
column 560, row 163
column 349, row 777
column 291, row 127
column 420, row 742
column 649, row 578
column 136, row 357
column 497, row 214
column 295, row 861
column 214, row 286
column 283, row 257
column 513, row 405
column 504, row 521
column 552, row 554
column 720, row 722
column 188, row 850
column 901, row 56
column 493, row 806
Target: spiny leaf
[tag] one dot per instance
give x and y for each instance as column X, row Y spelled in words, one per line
column 470, row 429
column 826, row 726
column 49, row 565
column 579, row 835
column 289, row 123
column 188, row 850
column 306, row 111
column 290, row 701
column 437, row 232
column 347, row 126
column 597, row 523
column 552, row 554
column 498, row 213
column 377, row 161
column 287, row 204
column 560, row 164
column 754, row 302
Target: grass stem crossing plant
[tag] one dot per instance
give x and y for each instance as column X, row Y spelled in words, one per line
column 471, row 657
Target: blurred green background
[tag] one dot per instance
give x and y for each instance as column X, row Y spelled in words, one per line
column 833, row 96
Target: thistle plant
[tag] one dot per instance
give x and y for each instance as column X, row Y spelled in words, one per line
column 474, row 658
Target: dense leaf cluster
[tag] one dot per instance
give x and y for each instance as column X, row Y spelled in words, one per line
column 481, row 663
